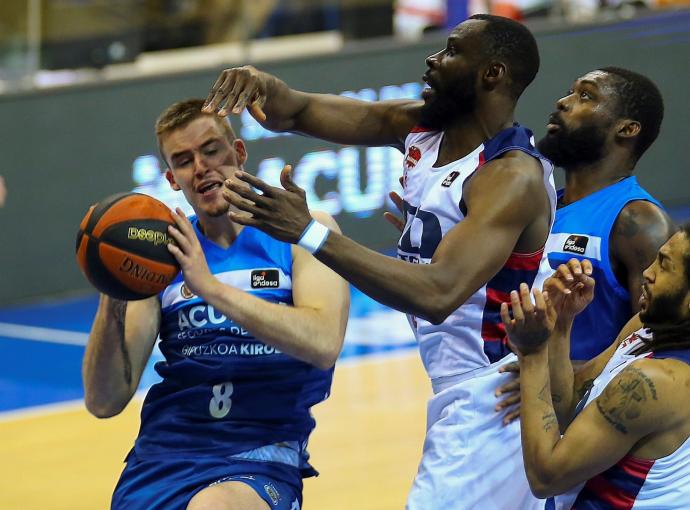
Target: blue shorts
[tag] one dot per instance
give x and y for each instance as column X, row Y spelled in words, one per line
column 170, row 483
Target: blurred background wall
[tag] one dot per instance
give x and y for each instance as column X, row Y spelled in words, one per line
column 71, row 136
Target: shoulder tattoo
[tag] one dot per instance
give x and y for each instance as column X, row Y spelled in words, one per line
column 623, row 400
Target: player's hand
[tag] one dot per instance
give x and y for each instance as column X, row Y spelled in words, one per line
column 236, row 89
column 532, row 323
column 187, row 250
column 281, row 213
column 570, row 288
column 394, row 219
column 509, row 393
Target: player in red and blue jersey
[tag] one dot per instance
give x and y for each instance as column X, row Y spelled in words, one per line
column 479, row 202
column 626, row 445
column 250, row 332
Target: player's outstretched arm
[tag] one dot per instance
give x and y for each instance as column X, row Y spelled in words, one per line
column 120, row 343
column 330, row 117
column 312, row 329
column 637, row 403
column 466, row 258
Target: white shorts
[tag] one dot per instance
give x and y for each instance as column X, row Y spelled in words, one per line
column 471, row 460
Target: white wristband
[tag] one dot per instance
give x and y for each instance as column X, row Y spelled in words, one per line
column 313, row 236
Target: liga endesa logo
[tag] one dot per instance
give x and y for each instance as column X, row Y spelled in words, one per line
column 576, row 244
column 412, row 157
column 265, row 279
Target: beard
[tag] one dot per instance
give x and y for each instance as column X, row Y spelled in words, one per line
column 663, row 310
column 570, row 148
column 449, row 103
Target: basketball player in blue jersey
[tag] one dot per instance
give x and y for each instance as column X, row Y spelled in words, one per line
column 250, row 332
column 479, row 201
column 599, row 131
column 627, row 443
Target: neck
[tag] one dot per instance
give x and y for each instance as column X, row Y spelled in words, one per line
column 583, row 180
column 470, row 130
column 221, row 229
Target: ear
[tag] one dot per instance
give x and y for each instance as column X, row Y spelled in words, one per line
column 171, row 179
column 241, row 151
column 628, row 128
column 494, row 73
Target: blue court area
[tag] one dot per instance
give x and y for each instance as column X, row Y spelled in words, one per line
column 42, row 346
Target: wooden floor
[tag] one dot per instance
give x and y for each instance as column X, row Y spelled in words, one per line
column 367, row 443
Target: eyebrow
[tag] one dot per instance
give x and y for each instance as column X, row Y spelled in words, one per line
column 589, row 82
column 206, row 143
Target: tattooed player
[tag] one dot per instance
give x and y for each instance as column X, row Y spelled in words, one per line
column 627, row 444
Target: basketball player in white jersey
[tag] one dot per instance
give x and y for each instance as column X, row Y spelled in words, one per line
column 626, row 445
column 479, row 201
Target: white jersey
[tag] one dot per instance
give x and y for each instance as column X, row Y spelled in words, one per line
column 473, row 335
column 634, row 483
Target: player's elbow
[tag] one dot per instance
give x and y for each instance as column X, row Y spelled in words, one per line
column 103, row 406
column 326, row 357
column 542, row 483
column 436, row 310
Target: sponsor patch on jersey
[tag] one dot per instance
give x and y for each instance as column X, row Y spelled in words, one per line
column 185, row 292
column 265, row 279
column 272, row 493
column 412, row 157
column 576, row 244
column 450, row 178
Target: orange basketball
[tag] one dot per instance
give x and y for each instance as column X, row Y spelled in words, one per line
column 122, row 246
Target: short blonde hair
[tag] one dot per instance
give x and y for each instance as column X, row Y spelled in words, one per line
column 179, row 114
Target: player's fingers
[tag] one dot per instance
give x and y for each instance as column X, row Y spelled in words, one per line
column 213, row 98
column 505, row 316
column 518, row 314
column 266, row 189
column 563, row 272
column 244, row 219
column 398, row 201
column 575, row 267
column 525, row 299
column 513, row 367
column 509, row 401
column 223, row 94
column 394, row 220
column 243, row 204
column 556, row 286
column 508, row 387
column 587, row 267
column 539, row 302
column 181, row 240
column 287, row 182
column 243, row 190
column 511, row 415
column 257, row 112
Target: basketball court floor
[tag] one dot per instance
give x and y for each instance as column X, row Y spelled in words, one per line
column 56, row 456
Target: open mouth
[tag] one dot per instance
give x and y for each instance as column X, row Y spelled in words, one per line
column 206, row 188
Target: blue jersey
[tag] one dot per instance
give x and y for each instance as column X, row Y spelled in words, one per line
column 582, row 230
column 225, row 392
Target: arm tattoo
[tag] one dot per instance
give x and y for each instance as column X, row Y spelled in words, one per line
column 549, row 418
column 120, row 313
column 623, row 401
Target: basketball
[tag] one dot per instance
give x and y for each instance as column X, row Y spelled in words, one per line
column 122, row 246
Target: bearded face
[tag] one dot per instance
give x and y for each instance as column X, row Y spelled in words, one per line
column 570, row 147
column 448, row 100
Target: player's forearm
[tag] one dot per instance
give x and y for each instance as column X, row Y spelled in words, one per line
column 417, row 289
column 539, row 423
column 561, row 373
column 311, row 335
column 107, row 372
